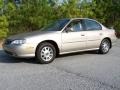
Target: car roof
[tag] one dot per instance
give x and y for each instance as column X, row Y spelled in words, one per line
column 82, row 18
column 77, row 18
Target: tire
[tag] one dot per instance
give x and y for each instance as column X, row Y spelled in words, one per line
column 104, row 46
column 45, row 53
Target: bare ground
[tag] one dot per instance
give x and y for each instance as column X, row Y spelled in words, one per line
column 1, row 43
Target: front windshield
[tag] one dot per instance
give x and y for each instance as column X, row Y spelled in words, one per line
column 56, row 26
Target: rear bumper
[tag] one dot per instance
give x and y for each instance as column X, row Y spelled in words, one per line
column 19, row 51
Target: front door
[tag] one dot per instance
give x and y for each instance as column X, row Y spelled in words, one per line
column 73, row 37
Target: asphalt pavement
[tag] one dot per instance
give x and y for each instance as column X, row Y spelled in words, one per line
column 79, row 71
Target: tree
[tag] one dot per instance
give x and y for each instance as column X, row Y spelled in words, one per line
column 32, row 15
column 1, row 6
column 3, row 27
column 35, row 14
column 107, row 11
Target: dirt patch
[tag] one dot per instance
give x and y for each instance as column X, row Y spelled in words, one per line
column 1, row 42
column 118, row 34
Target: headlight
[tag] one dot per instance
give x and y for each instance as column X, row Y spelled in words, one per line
column 18, row 42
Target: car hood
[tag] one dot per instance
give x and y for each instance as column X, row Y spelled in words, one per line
column 31, row 34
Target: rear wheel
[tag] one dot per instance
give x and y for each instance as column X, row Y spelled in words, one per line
column 45, row 53
column 104, row 47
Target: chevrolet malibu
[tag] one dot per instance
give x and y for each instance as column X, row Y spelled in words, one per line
column 61, row 37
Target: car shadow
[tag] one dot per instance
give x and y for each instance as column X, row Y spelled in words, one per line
column 77, row 53
column 4, row 58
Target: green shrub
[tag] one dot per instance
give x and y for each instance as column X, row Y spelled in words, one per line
column 3, row 27
column 117, row 25
column 35, row 14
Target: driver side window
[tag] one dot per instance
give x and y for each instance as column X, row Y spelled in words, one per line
column 75, row 26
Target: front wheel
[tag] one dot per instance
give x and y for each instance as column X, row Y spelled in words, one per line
column 45, row 53
column 104, row 47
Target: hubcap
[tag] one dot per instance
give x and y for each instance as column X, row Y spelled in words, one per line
column 105, row 46
column 47, row 53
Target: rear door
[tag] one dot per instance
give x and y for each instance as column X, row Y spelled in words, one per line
column 94, row 33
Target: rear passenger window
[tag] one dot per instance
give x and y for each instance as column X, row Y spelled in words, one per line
column 92, row 25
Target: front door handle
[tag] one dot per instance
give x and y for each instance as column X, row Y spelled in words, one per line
column 82, row 35
column 100, row 34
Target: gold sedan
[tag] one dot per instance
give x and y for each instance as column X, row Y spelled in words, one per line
column 61, row 37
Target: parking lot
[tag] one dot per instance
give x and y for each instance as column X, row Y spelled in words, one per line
column 79, row 71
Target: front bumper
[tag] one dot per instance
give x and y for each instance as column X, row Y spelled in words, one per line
column 21, row 51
